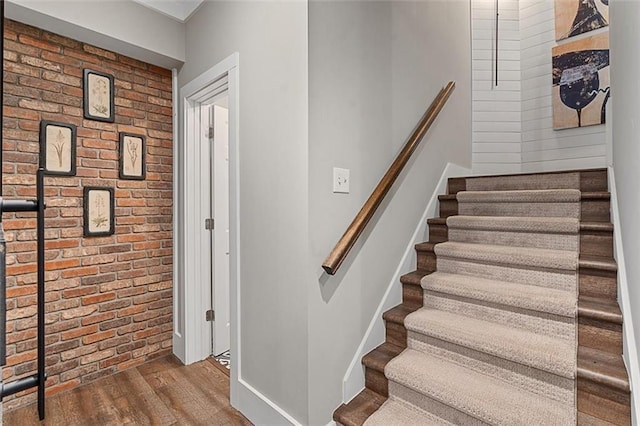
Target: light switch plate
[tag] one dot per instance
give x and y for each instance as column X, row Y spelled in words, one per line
column 341, row 180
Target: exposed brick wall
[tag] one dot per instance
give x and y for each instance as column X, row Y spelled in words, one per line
column 108, row 299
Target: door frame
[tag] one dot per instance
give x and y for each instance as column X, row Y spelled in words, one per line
column 192, row 287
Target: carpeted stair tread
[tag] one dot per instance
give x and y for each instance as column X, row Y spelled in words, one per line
column 559, row 225
column 524, row 181
column 509, row 255
column 396, row 413
column 485, row 398
column 531, row 297
column 539, row 351
column 524, row 196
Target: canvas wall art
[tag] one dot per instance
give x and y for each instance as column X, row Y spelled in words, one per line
column 574, row 17
column 58, row 148
column 581, row 87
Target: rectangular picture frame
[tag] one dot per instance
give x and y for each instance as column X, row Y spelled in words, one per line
column 98, row 211
column 58, row 148
column 132, row 156
column 98, row 94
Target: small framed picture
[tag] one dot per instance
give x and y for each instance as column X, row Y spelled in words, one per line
column 98, row 211
column 132, row 156
column 98, row 96
column 58, row 148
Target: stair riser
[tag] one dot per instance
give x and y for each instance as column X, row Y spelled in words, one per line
column 596, row 243
column 560, row 280
column 455, row 185
column 520, row 239
column 426, row 261
column 438, row 233
column 595, row 210
column 537, row 322
column 598, row 283
column 412, row 295
column 570, row 180
column 601, row 335
column 376, row 381
column 591, row 403
column 396, row 334
column 448, row 208
column 531, row 380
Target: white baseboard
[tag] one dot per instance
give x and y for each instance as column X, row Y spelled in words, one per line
column 353, row 381
column 630, row 349
column 259, row 409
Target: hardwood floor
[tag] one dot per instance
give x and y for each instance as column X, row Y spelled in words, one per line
column 160, row 392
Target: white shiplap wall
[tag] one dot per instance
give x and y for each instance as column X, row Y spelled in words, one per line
column 542, row 147
column 513, row 123
column 496, row 109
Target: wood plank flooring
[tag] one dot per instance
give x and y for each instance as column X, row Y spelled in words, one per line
column 160, row 392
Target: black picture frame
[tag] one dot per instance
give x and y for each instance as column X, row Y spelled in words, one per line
column 95, row 212
column 98, row 96
column 132, row 148
column 58, row 150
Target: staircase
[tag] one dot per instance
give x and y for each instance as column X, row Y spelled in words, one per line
column 511, row 316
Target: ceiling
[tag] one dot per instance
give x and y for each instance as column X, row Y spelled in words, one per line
column 180, row 10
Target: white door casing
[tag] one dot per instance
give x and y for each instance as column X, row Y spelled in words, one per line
column 220, row 234
column 192, row 242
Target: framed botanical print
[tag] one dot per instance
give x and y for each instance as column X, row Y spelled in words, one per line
column 58, row 148
column 132, row 156
column 99, row 210
column 98, row 96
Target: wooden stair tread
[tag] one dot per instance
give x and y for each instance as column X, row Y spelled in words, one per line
column 358, row 410
column 587, row 420
column 602, row 368
column 437, row 221
column 596, row 226
column 378, row 358
column 413, row 278
column 597, row 262
column 425, row 246
column 599, row 309
column 447, row 197
column 598, row 195
column 398, row 313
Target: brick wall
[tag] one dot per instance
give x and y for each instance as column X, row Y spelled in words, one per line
column 108, row 299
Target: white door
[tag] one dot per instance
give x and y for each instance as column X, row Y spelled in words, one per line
column 220, row 233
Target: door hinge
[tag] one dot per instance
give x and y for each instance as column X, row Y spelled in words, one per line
column 210, row 315
column 209, row 224
column 210, row 132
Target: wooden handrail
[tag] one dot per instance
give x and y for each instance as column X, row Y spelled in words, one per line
column 350, row 236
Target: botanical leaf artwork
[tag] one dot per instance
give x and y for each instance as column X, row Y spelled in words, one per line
column 99, row 211
column 132, row 156
column 99, row 100
column 58, row 144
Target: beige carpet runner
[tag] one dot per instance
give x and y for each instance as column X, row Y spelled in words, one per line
column 496, row 340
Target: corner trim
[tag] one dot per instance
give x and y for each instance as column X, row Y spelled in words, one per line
column 630, row 350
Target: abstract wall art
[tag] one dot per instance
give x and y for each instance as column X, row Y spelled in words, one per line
column 574, row 17
column 581, row 82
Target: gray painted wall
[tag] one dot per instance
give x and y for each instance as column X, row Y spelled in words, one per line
column 374, row 68
column 118, row 25
column 625, row 97
column 271, row 38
